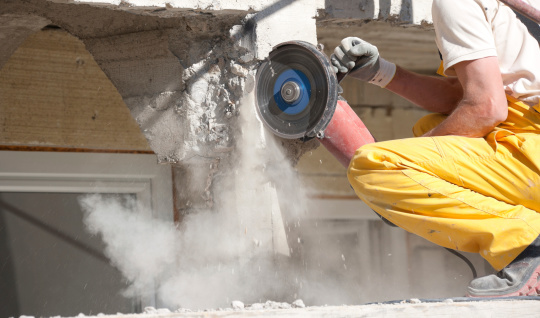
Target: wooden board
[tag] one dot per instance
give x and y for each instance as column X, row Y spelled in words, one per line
column 52, row 93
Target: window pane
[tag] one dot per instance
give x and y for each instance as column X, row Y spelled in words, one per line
column 51, row 265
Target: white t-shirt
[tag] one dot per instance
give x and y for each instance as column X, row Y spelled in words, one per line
column 473, row 29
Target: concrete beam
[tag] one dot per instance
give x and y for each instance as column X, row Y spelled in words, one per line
column 407, row 12
column 199, row 5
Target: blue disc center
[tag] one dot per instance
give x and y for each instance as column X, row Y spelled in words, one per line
column 298, row 105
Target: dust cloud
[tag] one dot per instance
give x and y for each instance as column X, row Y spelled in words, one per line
column 248, row 248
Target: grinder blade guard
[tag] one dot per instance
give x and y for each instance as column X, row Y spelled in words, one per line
column 297, row 98
column 296, row 91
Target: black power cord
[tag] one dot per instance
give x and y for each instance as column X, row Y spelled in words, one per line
column 465, row 259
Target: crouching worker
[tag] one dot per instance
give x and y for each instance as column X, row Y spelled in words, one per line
column 470, row 181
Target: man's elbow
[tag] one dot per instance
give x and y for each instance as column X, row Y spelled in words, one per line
column 498, row 111
column 493, row 114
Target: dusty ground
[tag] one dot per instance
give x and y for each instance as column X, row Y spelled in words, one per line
column 529, row 307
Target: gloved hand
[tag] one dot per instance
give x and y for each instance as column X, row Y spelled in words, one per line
column 363, row 61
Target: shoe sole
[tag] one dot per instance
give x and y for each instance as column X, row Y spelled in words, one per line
column 530, row 288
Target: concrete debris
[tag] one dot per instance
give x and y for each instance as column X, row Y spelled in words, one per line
column 298, row 304
column 239, row 70
column 269, row 305
column 237, row 305
column 182, row 310
column 154, row 311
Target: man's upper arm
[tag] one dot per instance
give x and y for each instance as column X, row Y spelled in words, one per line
column 483, row 86
column 483, row 105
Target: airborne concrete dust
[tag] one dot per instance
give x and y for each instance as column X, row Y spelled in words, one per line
column 245, row 250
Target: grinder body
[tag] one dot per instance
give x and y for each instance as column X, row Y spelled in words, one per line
column 345, row 133
column 297, row 98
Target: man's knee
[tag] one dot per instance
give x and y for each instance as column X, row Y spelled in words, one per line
column 375, row 156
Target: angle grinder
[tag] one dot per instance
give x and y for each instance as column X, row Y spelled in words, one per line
column 297, row 98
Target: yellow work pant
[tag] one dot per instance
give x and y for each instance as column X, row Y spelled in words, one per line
column 479, row 195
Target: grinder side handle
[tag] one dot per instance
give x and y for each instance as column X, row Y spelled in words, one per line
column 340, row 76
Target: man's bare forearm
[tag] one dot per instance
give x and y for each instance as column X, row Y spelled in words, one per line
column 482, row 104
column 436, row 94
column 465, row 121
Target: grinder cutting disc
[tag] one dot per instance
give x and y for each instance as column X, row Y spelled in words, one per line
column 296, row 91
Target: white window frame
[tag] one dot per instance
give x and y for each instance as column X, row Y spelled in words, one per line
column 70, row 172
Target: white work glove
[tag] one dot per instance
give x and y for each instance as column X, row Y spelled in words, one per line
column 361, row 59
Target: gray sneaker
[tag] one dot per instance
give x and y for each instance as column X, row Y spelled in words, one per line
column 519, row 278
